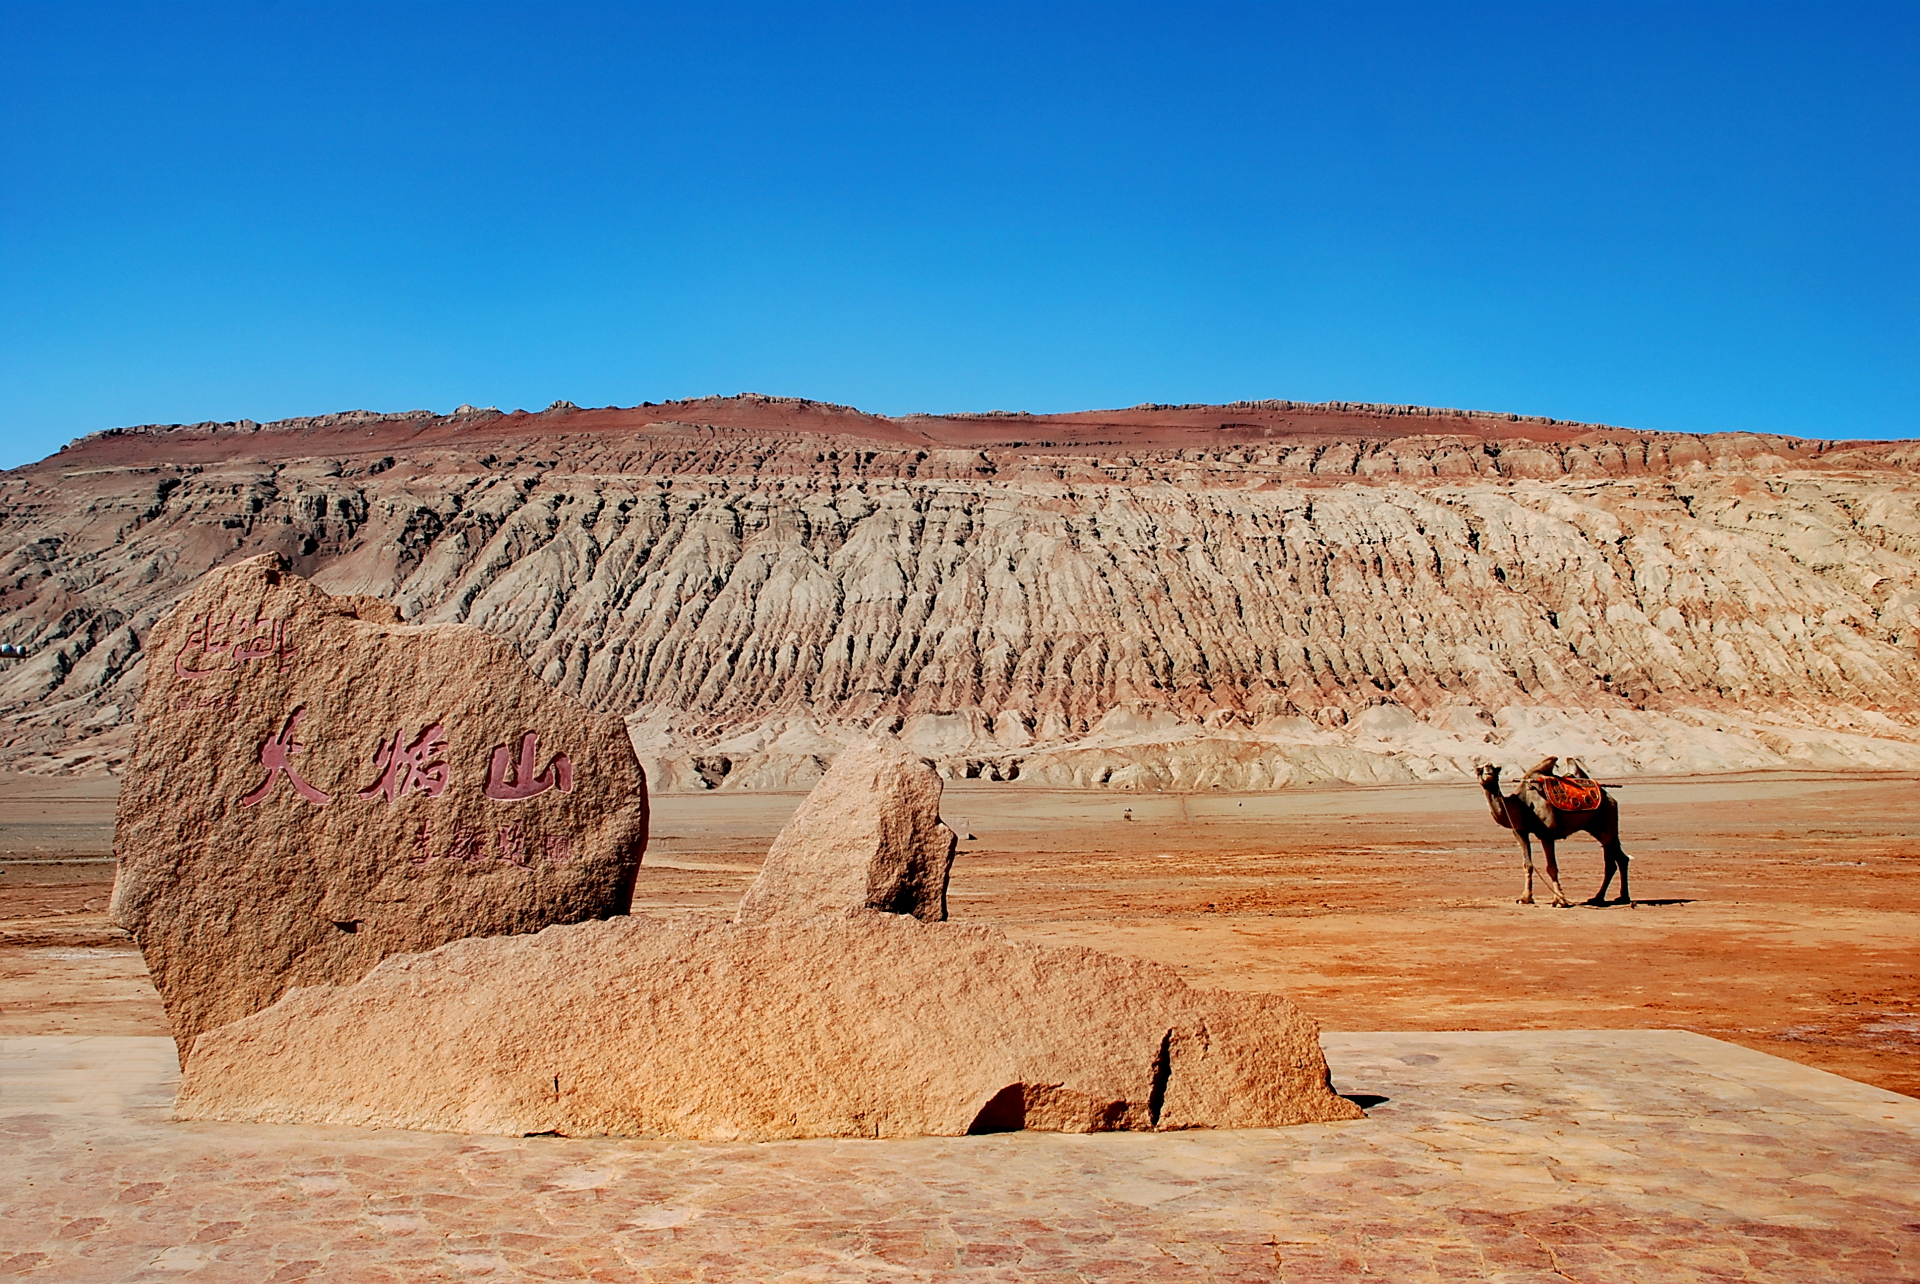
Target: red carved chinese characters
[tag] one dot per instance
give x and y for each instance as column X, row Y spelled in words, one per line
column 406, row 767
column 508, row 781
column 276, row 755
column 236, row 640
column 421, row 765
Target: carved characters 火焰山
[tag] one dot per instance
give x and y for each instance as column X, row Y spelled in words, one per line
column 422, row 765
column 405, row 767
column 510, row 781
column 276, row 755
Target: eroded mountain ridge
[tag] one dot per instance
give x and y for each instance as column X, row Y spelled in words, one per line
column 1175, row 597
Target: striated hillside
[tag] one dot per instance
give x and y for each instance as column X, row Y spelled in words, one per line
column 1175, row 597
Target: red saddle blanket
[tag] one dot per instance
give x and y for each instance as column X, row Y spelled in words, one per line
column 1565, row 793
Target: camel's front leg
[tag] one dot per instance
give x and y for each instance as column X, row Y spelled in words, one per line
column 1560, row 900
column 1526, row 854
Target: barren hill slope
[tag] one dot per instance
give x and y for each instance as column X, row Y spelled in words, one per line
column 1158, row 597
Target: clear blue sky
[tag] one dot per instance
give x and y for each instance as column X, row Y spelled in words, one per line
column 1668, row 216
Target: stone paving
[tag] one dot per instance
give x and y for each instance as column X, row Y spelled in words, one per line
column 1516, row 1156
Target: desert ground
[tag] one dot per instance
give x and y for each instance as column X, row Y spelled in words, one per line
column 1778, row 911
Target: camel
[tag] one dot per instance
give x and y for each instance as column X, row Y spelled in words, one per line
column 1528, row 813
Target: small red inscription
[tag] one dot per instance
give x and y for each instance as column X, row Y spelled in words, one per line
column 513, row 846
column 237, row 640
column 469, row 844
column 511, row 781
column 276, row 755
column 405, row 767
column 510, row 846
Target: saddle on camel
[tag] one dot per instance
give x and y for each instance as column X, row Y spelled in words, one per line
column 1577, row 792
column 1550, row 807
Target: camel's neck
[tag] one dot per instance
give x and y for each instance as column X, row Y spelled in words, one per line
column 1496, row 801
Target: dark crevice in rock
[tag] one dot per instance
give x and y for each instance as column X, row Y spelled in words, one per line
column 1005, row 1111
column 1162, row 1071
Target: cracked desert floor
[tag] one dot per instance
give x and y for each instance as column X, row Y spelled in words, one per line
column 1777, row 911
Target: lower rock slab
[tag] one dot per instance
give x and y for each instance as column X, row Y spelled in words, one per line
column 1533, row 1155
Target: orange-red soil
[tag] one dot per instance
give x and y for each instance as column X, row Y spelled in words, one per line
column 1779, row 912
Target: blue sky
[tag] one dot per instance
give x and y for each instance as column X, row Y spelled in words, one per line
column 1669, row 216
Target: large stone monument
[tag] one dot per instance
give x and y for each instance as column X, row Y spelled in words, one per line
column 836, row 1005
column 315, row 786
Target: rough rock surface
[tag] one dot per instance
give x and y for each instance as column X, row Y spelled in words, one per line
column 869, row 836
column 315, row 786
column 1241, row 596
column 861, row 1025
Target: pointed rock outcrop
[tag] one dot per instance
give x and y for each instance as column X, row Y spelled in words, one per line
column 869, row 836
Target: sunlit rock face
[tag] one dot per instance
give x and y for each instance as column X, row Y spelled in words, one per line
column 858, row 1025
column 868, row 837
column 315, row 786
column 1165, row 597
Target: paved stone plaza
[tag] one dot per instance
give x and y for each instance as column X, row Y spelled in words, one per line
column 1587, row 1156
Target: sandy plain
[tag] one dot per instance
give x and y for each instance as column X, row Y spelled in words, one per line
column 1778, row 911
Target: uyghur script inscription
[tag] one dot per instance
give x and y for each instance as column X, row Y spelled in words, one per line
column 236, row 640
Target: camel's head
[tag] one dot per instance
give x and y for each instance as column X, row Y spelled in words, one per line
column 1489, row 774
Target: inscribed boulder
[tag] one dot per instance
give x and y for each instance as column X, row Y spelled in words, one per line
column 315, row 785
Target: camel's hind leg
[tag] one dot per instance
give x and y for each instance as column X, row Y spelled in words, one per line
column 1616, row 859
